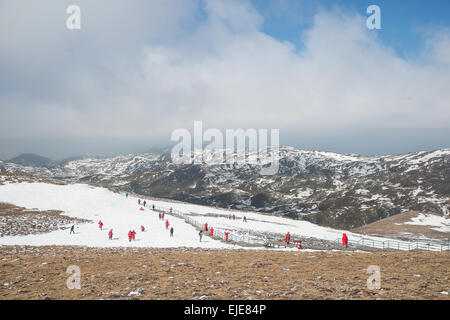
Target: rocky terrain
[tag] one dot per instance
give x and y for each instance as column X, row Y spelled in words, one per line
column 342, row 191
column 41, row 273
column 16, row 220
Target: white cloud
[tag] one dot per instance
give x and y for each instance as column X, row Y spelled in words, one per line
column 143, row 69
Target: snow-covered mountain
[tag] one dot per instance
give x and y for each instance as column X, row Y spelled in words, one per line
column 327, row 188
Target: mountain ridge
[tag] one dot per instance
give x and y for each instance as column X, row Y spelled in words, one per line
column 337, row 190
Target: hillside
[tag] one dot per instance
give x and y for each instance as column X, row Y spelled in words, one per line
column 410, row 226
column 342, row 191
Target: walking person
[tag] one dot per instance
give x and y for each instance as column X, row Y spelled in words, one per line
column 288, row 237
column 344, row 240
column 110, row 234
column 171, row 231
column 100, row 224
column 72, row 229
column 200, row 234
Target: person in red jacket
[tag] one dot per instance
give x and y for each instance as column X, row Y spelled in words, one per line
column 344, row 240
column 162, row 216
column 211, row 231
column 133, row 235
column 226, row 236
column 167, row 224
column 245, row 219
column 288, row 237
column 139, row 201
column 100, row 224
column 142, row 228
column 110, row 234
column 206, row 226
column 130, row 235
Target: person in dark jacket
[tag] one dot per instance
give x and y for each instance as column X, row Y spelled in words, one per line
column 171, row 231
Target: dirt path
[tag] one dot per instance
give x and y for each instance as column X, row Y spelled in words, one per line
column 40, row 273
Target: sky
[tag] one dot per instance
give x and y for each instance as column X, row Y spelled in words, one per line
column 138, row 70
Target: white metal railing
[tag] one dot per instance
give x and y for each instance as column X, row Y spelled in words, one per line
column 427, row 245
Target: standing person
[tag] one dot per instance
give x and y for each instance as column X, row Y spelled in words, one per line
column 130, row 235
column 133, row 235
column 206, row 226
column 100, row 224
column 153, row 207
column 200, row 234
column 344, row 240
column 170, row 209
column 145, row 202
column 72, row 229
column 171, row 231
column 142, row 228
column 126, row 195
column 159, row 216
column 245, row 219
column 288, row 237
column 211, row 231
column 110, row 234
column 139, row 201
column 167, row 224
column 234, row 217
column 162, row 215
column 226, row 236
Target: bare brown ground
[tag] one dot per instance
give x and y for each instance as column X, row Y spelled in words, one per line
column 40, row 273
column 394, row 227
column 17, row 177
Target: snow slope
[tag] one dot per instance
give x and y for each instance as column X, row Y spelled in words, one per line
column 114, row 210
column 442, row 224
column 259, row 223
column 122, row 214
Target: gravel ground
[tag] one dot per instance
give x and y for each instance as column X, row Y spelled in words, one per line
column 119, row 273
column 16, row 220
